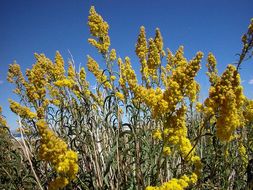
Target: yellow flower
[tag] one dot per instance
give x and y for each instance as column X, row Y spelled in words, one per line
column 173, row 184
column 157, row 134
column 243, row 153
column 15, row 76
column 22, row 111
column 82, row 74
column 129, row 74
column 98, row 73
column 55, row 151
column 120, row 96
column 176, row 184
column 166, row 150
column 212, row 70
column 199, row 107
column 153, row 58
column 248, row 112
column 3, row 123
column 113, row 78
column 64, row 83
column 141, row 45
column 158, row 40
column 56, row 102
column 58, row 183
column 141, row 51
column 122, row 76
column 193, row 178
column 113, row 55
column 226, row 100
column 198, row 164
column 59, row 70
column 99, row 29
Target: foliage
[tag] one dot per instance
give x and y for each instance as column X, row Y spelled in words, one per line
column 126, row 133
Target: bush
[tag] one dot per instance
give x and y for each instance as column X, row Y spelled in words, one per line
column 130, row 132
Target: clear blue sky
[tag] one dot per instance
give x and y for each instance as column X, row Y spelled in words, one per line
column 30, row 26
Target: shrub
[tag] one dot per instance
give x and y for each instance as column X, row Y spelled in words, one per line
column 133, row 132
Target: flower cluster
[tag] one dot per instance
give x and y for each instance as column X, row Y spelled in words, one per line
column 15, row 76
column 99, row 29
column 176, row 184
column 243, row 154
column 120, row 96
column 58, row 69
column 158, row 104
column 127, row 75
column 179, row 84
column 141, row 45
column 47, row 77
column 71, row 71
column 248, row 111
column 55, row 151
column 38, row 78
column 175, row 132
column 64, row 83
column 225, row 101
column 153, row 61
column 149, row 56
column 84, row 84
column 22, row 111
column 141, row 51
column 113, row 55
column 159, row 41
column 153, row 98
column 58, row 183
column 3, row 122
column 212, row 70
column 98, row 73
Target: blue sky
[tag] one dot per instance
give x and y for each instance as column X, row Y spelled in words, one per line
column 31, row 26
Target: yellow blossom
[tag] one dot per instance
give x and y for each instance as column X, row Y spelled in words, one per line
column 22, row 111
column 15, row 76
column 55, row 151
column 158, row 40
column 212, row 70
column 59, row 70
column 98, row 73
column 157, row 134
column 113, row 55
column 166, row 150
column 198, row 164
column 3, row 123
column 243, row 153
column 64, row 83
column 113, row 78
column 99, row 29
column 153, row 58
column 141, row 45
column 58, row 183
column 71, row 71
column 176, row 184
column 226, row 100
column 120, row 96
column 123, row 75
column 248, row 111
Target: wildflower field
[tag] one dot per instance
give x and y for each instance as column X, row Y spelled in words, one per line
column 131, row 132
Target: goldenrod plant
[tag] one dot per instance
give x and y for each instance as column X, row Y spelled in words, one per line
column 133, row 132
